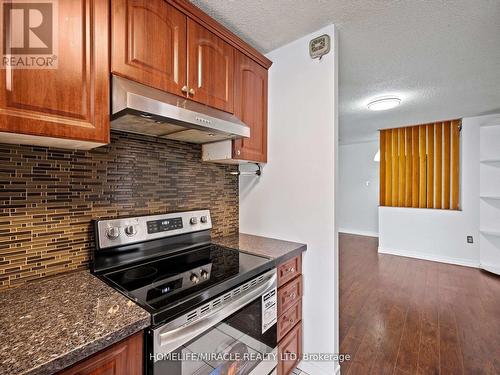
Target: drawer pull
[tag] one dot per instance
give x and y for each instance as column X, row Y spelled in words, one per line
column 291, row 321
column 292, row 295
column 289, row 270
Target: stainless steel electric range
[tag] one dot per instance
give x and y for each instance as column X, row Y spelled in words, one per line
column 213, row 309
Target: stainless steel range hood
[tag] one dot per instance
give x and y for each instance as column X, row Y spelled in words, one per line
column 141, row 109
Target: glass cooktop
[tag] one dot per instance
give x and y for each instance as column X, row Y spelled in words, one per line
column 192, row 275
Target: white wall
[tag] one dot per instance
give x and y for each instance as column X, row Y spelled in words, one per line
column 358, row 189
column 294, row 197
column 440, row 234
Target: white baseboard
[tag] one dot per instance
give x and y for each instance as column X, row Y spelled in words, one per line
column 318, row 368
column 490, row 268
column 431, row 257
column 359, row 232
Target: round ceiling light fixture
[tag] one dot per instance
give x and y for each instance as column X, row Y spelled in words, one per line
column 385, row 103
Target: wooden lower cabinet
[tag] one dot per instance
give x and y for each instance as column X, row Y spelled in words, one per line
column 289, row 315
column 289, row 294
column 290, row 350
column 289, row 270
column 289, row 319
column 124, row 357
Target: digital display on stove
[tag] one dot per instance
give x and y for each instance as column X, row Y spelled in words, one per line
column 164, row 289
column 164, row 225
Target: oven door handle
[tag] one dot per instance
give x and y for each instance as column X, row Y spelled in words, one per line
column 169, row 337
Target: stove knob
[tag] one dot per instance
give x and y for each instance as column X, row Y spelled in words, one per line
column 193, row 220
column 194, row 278
column 204, row 274
column 131, row 230
column 204, row 219
column 113, row 233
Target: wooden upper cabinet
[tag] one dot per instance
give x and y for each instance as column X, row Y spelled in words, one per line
column 67, row 106
column 170, row 45
column 250, row 105
column 149, row 43
column 210, row 68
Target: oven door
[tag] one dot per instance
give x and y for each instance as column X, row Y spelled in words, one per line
column 233, row 334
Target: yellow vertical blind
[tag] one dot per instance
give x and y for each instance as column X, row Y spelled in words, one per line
column 438, row 167
column 430, row 165
column 420, row 166
column 446, row 164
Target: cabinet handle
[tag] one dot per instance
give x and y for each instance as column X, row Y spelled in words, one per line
column 191, row 92
column 292, row 295
column 291, row 321
column 291, row 269
column 184, row 89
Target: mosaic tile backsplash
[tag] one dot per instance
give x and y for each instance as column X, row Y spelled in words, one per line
column 49, row 197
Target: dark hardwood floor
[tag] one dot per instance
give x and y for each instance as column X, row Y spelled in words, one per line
column 408, row 316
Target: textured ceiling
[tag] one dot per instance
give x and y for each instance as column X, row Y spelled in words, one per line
column 442, row 57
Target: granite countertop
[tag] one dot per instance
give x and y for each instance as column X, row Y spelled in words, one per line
column 48, row 325
column 278, row 250
column 51, row 324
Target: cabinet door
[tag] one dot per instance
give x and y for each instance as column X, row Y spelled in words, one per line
column 250, row 105
column 149, row 43
column 210, row 68
column 69, row 102
column 124, row 357
column 290, row 351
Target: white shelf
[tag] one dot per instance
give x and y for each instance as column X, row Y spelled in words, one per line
column 489, row 185
column 489, row 232
column 496, row 197
column 493, row 162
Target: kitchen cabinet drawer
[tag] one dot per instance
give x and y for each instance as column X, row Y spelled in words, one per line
column 67, row 106
column 288, row 270
column 121, row 358
column 290, row 351
column 289, row 294
column 289, row 319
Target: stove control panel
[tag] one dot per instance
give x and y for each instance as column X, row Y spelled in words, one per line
column 115, row 232
column 164, row 225
column 179, row 282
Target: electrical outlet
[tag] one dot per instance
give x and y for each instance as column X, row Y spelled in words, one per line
column 470, row 239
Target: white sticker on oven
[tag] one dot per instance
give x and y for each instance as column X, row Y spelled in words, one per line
column 269, row 309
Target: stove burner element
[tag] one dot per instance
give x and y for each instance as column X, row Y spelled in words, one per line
column 140, row 273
